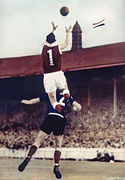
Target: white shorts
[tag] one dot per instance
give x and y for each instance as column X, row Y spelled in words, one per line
column 53, row 81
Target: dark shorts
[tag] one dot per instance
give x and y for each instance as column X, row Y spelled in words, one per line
column 53, row 123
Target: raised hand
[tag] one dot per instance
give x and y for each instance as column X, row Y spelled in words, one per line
column 68, row 29
column 53, row 26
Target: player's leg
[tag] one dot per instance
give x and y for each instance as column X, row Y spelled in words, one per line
column 66, row 92
column 40, row 137
column 58, row 131
column 62, row 85
column 50, row 88
column 57, row 155
column 53, row 101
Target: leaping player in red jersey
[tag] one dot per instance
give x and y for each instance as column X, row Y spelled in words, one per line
column 53, row 76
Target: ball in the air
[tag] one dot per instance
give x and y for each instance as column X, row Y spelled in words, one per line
column 64, row 11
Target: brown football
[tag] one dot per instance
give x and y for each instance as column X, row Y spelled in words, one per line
column 64, row 11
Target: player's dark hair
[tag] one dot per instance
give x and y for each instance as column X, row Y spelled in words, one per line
column 50, row 38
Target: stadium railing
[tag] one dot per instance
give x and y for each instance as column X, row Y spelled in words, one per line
column 67, row 153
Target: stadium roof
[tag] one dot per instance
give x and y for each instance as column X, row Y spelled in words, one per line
column 85, row 58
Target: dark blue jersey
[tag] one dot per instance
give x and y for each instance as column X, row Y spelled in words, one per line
column 60, row 100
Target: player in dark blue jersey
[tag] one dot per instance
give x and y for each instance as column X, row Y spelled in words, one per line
column 54, row 122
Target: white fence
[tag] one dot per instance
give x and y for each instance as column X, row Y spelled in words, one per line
column 67, row 153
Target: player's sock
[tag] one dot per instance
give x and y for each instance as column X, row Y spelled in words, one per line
column 57, row 172
column 27, row 159
column 24, row 164
column 66, row 94
column 57, row 107
column 32, row 151
column 67, row 105
column 57, row 155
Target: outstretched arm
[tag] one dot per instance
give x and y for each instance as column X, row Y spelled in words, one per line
column 66, row 42
column 31, row 101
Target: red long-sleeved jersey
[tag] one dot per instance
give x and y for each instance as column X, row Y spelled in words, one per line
column 51, row 59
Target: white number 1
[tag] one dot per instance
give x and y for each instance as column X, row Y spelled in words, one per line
column 50, row 57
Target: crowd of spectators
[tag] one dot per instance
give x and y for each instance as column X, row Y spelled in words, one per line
column 93, row 127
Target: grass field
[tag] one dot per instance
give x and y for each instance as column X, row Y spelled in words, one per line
column 71, row 170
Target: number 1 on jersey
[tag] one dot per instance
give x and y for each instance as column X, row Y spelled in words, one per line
column 50, row 57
